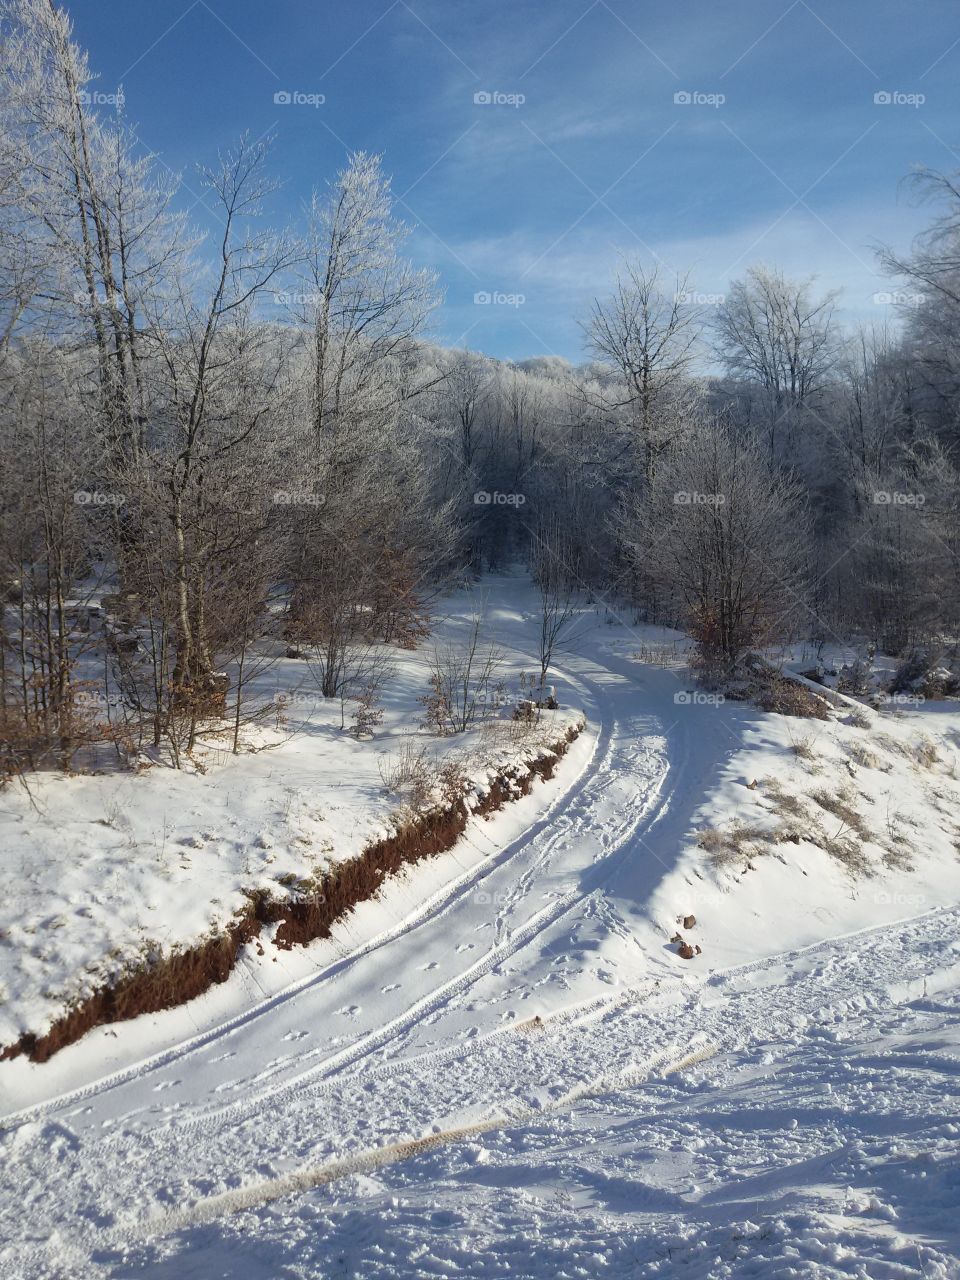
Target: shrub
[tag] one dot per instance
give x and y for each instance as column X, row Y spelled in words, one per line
column 755, row 680
column 464, row 688
column 410, row 772
column 854, row 677
column 840, row 804
column 787, row 698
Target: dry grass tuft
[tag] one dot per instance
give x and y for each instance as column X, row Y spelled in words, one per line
column 788, row 698
column 737, row 841
column 862, row 756
column 841, row 805
column 785, row 803
column 846, row 849
column 926, row 754
column 860, row 719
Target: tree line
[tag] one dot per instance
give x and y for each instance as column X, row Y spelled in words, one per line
column 215, row 445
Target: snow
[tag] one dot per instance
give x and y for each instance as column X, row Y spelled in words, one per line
column 102, row 870
column 503, row 1067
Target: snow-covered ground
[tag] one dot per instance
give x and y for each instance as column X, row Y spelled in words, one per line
column 102, row 870
column 503, row 1066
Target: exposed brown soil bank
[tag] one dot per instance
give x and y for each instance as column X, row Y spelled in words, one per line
column 168, row 980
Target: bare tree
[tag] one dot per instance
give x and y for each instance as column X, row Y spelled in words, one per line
column 649, row 337
column 935, row 263
column 218, row 381
column 555, row 568
column 467, row 386
column 901, row 582
column 50, row 519
column 463, row 685
column 363, row 304
column 931, row 304
column 776, row 333
column 725, row 532
column 95, row 221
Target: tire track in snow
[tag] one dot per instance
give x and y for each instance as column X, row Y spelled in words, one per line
column 433, row 907
column 754, row 1013
column 313, row 1076
column 260, row 1193
column 546, row 828
column 201, row 1121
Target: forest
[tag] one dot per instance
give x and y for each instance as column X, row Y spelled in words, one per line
column 219, row 448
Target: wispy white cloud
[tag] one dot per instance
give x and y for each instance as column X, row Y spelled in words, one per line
column 557, row 287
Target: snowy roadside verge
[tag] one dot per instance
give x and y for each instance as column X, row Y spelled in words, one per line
column 305, row 909
column 814, row 829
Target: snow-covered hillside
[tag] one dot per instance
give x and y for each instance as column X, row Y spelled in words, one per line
column 504, row 1065
column 105, row 871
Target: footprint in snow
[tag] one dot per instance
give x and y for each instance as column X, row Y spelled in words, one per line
column 165, row 1084
column 394, row 986
column 350, row 1012
column 296, row 1035
column 431, row 965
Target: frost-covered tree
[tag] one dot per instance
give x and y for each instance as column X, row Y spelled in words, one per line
column 776, row 334
column 724, row 532
column 647, row 333
column 360, row 302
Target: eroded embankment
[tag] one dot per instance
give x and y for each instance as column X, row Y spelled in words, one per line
column 165, row 981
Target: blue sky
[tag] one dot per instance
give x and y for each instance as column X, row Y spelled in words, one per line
column 533, row 200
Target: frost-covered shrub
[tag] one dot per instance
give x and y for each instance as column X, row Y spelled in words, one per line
column 928, row 673
column 854, row 677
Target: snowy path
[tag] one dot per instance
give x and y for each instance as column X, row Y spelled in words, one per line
column 806, row 1107
column 522, row 1067
column 519, row 899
